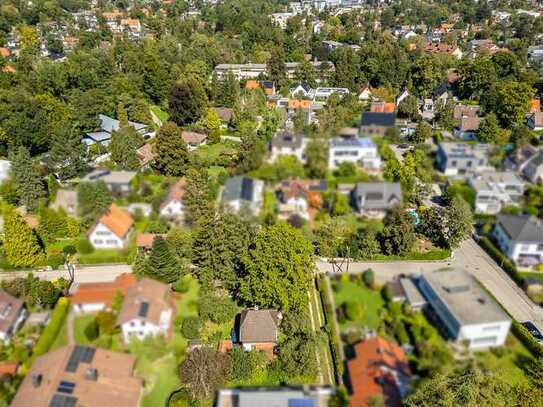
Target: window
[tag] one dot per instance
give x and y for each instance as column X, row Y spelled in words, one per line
column 103, row 233
column 98, row 241
column 491, row 328
column 540, row 247
column 111, row 241
column 525, row 248
column 453, row 163
column 132, row 324
column 485, row 341
column 468, row 164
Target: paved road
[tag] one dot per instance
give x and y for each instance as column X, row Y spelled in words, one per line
column 83, row 274
column 470, row 257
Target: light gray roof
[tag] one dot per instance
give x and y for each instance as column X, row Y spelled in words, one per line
column 522, row 228
column 412, row 293
column 109, row 124
column 99, row 136
column 238, row 188
column 464, row 297
column 110, row 177
column 275, row 397
column 377, row 195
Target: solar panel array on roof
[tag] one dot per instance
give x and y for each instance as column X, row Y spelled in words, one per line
column 247, row 189
column 144, row 309
column 305, row 402
column 61, row 400
column 66, row 387
column 80, row 354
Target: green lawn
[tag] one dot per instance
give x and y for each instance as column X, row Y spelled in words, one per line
column 161, row 114
column 104, row 256
column 80, row 324
column 209, row 153
column 161, row 380
column 371, row 302
column 215, row 170
column 62, row 337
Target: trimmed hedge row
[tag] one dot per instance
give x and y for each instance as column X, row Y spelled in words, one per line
column 51, row 331
column 329, row 312
column 499, row 258
column 527, row 340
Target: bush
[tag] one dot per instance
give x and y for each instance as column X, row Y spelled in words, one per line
column 353, row 310
column 386, row 293
column 527, row 340
column 369, row 277
column 219, row 309
column 69, row 250
column 182, row 285
column 55, row 261
column 190, row 328
column 50, row 333
column 91, row 330
column 331, row 326
column 84, row 246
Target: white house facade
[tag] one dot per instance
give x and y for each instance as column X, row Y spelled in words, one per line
column 357, row 150
column 520, row 238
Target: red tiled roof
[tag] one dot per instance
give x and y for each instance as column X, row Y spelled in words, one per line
column 8, row 368
column 117, row 220
column 95, row 293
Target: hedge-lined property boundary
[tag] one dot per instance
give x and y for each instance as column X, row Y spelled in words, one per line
column 506, row 264
column 527, row 340
column 51, row 331
column 332, row 328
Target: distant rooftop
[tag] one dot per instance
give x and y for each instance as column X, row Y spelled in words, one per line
column 522, row 228
column 465, row 297
column 362, row 142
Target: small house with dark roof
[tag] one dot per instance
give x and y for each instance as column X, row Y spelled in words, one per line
column 377, row 123
column 243, row 193
column 259, row 329
column 520, row 238
column 288, row 143
column 375, row 199
column 108, row 125
column 148, row 309
column 301, row 90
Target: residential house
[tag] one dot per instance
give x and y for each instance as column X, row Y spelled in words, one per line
column 144, row 241
column 379, row 106
column 281, row 19
column 466, row 121
column 379, row 369
column 225, row 114
column 193, row 139
column 376, row 123
column 80, row 376
column 172, row 207
column 323, row 94
column 112, row 229
column 443, row 48
column 243, row 193
column 466, row 312
column 8, row 370
column 240, row 71
column 375, row 199
column 146, row 156
column 12, row 315
column 108, row 125
column 258, row 330
column 118, row 182
column 5, row 168
column 288, row 143
column 296, row 197
column 535, row 121
column 365, row 94
column 301, row 90
column 533, row 170
column 458, row 159
column 519, row 158
column 520, row 238
column 360, row 151
column 496, row 190
column 307, row 396
column 66, row 200
column 148, row 309
column 94, row 297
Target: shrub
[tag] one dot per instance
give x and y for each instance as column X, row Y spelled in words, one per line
column 52, row 329
column 84, row 247
column 91, row 330
column 69, row 250
column 353, row 310
column 527, row 340
column 369, row 277
column 190, row 328
column 219, row 309
column 182, row 285
column 55, row 261
column 386, row 293
column 106, row 322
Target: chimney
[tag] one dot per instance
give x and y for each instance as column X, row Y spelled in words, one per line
column 37, row 379
column 91, row 374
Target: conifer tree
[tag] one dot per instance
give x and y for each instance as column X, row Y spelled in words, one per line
column 21, row 245
column 27, row 177
column 171, row 151
column 162, row 264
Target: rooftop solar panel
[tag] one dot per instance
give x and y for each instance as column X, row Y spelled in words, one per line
column 83, row 354
column 62, row 400
column 306, row 402
column 144, row 309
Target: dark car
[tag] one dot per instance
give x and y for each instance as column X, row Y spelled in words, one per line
column 403, row 146
column 536, row 333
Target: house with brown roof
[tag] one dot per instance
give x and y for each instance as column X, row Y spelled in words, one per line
column 148, row 309
column 80, row 376
column 172, row 207
column 94, row 297
column 466, row 121
column 296, row 197
column 258, row 330
column 145, row 155
column 225, row 114
column 443, row 48
column 112, row 229
column 12, row 315
column 193, row 139
column 379, row 369
column 144, row 241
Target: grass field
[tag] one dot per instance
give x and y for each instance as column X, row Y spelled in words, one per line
column 371, row 303
column 80, row 324
column 62, row 337
column 161, row 114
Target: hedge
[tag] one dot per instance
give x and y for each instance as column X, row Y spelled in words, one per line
column 499, row 258
column 51, row 331
column 527, row 340
column 329, row 312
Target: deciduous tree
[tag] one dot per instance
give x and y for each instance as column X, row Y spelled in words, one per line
column 171, row 151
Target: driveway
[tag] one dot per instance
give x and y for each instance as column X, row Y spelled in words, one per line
column 470, row 257
column 83, row 274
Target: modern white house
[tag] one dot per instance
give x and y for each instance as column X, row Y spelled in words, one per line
column 12, row 316
column 360, row 151
column 243, row 193
column 466, row 312
column 172, row 207
column 288, row 143
column 520, row 238
column 147, row 309
column 460, row 159
column 112, row 229
column 496, row 190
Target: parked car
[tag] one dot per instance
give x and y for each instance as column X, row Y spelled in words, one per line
column 534, row 331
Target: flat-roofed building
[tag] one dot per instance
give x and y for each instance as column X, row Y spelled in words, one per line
column 466, row 312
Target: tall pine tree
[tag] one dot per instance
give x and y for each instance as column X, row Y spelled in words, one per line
column 27, row 177
column 162, row 264
column 171, row 151
column 21, row 246
column 68, row 154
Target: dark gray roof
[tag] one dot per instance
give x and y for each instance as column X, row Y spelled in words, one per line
column 537, row 160
column 99, row 136
column 238, row 188
column 287, row 139
column 258, row 325
column 522, row 228
column 377, row 195
column 378, row 119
